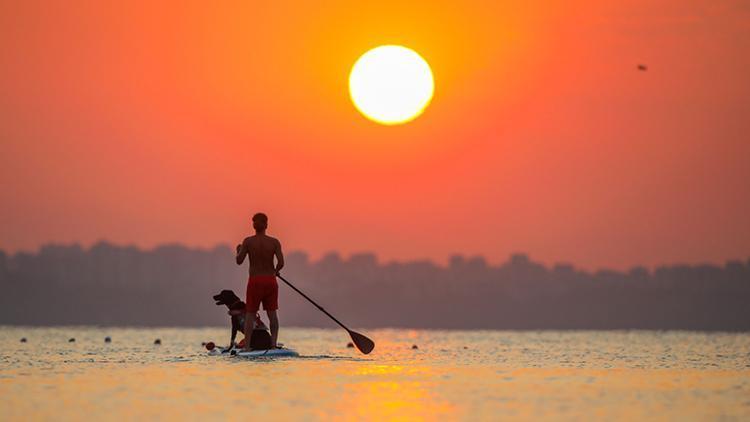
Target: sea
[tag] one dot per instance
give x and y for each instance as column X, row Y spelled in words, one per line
column 411, row 375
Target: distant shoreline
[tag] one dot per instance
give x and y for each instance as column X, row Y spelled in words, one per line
column 108, row 285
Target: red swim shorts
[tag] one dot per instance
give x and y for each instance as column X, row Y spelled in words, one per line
column 262, row 289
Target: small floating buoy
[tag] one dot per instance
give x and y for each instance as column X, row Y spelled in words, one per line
column 465, row 347
column 203, row 343
column 23, row 339
column 71, row 340
column 107, row 339
column 157, row 341
column 350, row 345
column 210, row 345
column 414, row 347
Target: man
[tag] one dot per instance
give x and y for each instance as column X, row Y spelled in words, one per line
column 261, row 285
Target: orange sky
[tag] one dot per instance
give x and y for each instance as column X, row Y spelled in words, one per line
column 147, row 124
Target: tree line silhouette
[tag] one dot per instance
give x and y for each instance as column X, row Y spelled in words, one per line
column 172, row 285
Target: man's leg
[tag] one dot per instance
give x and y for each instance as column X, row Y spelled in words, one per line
column 249, row 327
column 273, row 318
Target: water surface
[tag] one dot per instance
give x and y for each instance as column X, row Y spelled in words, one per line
column 485, row 375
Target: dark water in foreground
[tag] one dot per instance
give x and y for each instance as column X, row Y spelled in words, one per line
column 485, row 375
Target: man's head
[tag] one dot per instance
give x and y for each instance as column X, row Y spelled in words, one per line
column 260, row 222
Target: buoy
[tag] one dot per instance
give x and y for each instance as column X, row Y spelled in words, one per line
column 107, row 339
column 203, row 343
column 210, row 345
column 157, row 341
column 71, row 340
column 23, row 339
column 350, row 345
column 414, row 347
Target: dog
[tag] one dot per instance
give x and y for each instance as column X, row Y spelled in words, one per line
column 261, row 338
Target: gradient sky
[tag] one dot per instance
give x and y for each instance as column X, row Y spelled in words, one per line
column 143, row 124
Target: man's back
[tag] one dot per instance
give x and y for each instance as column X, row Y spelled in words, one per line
column 261, row 250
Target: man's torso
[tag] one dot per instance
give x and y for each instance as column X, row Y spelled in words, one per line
column 260, row 252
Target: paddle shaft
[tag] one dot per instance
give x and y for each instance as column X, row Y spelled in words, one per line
column 313, row 302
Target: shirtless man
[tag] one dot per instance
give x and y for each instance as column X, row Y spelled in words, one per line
column 261, row 285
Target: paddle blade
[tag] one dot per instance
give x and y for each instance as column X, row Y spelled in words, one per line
column 364, row 344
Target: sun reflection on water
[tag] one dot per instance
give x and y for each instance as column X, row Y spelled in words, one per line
column 392, row 400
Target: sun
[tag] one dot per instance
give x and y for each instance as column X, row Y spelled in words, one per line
column 391, row 84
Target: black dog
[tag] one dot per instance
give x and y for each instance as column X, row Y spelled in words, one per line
column 261, row 338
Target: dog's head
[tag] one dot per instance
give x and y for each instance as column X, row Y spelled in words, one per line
column 228, row 298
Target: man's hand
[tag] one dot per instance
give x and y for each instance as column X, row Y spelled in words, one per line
column 241, row 252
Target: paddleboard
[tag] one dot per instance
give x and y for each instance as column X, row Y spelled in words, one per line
column 270, row 353
column 276, row 353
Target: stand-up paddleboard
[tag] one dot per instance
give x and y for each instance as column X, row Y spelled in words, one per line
column 270, row 353
column 282, row 352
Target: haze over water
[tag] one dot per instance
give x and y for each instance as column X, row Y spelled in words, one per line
column 452, row 375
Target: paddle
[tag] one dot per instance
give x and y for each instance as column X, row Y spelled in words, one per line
column 364, row 344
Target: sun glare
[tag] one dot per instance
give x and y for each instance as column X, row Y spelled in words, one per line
column 391, row 84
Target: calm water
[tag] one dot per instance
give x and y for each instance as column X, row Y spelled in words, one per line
column 484, row 375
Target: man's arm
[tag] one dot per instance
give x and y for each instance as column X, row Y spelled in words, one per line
column 241, row 252
column 279, row 257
